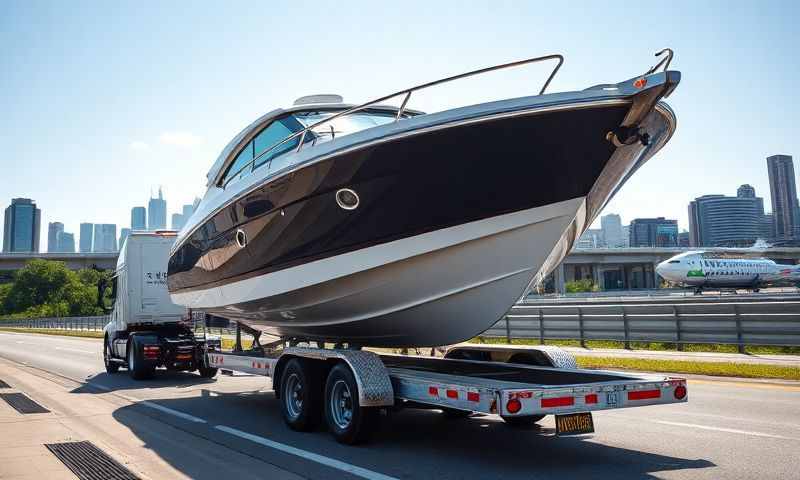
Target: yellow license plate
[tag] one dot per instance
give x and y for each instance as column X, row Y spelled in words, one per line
column 574, row 424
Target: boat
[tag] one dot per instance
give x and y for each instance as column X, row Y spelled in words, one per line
column 379, row 225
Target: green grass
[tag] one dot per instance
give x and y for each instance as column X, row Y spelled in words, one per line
column 52, row 331
column 655, row 346
column 719, row 369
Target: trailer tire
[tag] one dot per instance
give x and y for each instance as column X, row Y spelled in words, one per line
column 111, row 367
column 136, row 366
column 522, row 422
column 348, row 422
column 301, row 394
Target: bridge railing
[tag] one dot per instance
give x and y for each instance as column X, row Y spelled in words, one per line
column 680, row 321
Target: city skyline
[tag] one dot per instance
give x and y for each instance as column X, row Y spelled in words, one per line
column 116, row 139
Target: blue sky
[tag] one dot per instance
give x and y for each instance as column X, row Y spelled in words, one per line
column 103, row 101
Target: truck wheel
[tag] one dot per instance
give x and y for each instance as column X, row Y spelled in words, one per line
column 111, row 367
column 526, row 421
column 349, row 422
column 301, row 395
column 207, row 372
column 136, row 366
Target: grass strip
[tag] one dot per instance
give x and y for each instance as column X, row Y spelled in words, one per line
column 718, row 369
column 654, row 346
column 53, row 331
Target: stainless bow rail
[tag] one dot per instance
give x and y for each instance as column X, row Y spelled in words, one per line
column 407, row 92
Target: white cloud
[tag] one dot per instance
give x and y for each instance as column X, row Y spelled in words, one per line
column 180, row 139
column 138, row 146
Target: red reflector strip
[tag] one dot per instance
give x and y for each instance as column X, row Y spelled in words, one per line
column 433, row 391
column 557, row 402
column 183, row 357
column 452, row 394
column 644, row 394
column 473, row 397
column 591, row 398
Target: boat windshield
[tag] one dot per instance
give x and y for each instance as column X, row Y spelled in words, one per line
column 343, row 125
column 267, row 149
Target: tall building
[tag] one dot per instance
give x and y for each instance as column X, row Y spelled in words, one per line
column 783, row 191
column 626, row 236
column 85, row 239
column 591, row 238
column 123, row 234
column 105, row 237
column 157, row 212
column 177, row 221
column 54, row 229
column 653, row 232
column 22, row 224
column 683, row 239
column 766, row 228
column 720, row 221
column 66, row 242
column 138, row 218
column 611, row 225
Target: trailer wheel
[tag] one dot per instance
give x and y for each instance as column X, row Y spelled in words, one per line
column 111, row 367
column 349, row 422
column 301, row 395
column 136, row 366
column 526, row 421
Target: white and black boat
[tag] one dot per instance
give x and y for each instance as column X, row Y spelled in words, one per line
column 382, row 226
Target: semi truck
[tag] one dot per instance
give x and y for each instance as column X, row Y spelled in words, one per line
column 146, row 330
column 347, row 387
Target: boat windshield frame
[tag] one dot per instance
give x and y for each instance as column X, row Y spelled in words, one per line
column 400, row 111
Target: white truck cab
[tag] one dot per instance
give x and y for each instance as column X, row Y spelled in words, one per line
column 146, row 329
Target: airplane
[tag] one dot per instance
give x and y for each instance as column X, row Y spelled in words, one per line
column 701, row 269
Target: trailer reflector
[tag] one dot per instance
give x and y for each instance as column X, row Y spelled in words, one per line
column 151, row 352
column 680, row 392
column 433, row 391
column 644, row 394
column 558, row 402
column 452, row 394
column 473, row 397
column 591, row 398
column 513, row 405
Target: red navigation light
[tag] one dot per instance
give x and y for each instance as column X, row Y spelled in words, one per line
column 640, row 82
column 513, row 406
column 680, row 392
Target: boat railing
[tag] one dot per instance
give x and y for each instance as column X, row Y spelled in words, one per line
column 406, row 97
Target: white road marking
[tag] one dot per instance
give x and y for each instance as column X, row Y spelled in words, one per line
column 90, row 352
column 726, row 430
column 164, row 409
column 330, row 462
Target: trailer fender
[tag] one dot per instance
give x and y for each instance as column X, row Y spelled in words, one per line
column 374, row 386
column 541, row 355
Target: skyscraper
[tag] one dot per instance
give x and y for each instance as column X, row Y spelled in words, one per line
column 157, row 212
column 66, row 242
column 783, row 191
column 653, row 232
column 177, row 221
column 123, row 234
column 105, row 237
column 138, row 218
column 22, row 224
column 54, row 229
column 720, row 221
column 85, row 239
column 611, row 225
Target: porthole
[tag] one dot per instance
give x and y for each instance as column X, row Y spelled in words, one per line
column 347, row 199
column 241, row 238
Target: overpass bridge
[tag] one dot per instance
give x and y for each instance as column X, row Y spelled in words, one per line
column 610, row 268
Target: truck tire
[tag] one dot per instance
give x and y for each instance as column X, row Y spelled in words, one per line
column 526, row 421
column 111, row 367
column 136, row 366
column 207, row 372
column 349, row 422
column 301, row 395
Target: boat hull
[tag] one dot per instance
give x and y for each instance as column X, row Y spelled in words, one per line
column 452, row 226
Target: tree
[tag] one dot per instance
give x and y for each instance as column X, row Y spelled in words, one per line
column 578, row 286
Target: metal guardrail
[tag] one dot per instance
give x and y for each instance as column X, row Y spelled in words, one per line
column 745, row 321
column 60, row 323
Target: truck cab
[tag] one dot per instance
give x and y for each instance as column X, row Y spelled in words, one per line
column 146, row 330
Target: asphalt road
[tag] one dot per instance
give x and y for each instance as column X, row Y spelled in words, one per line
column 727, row 430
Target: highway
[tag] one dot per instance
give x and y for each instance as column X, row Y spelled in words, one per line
column 179, row 425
